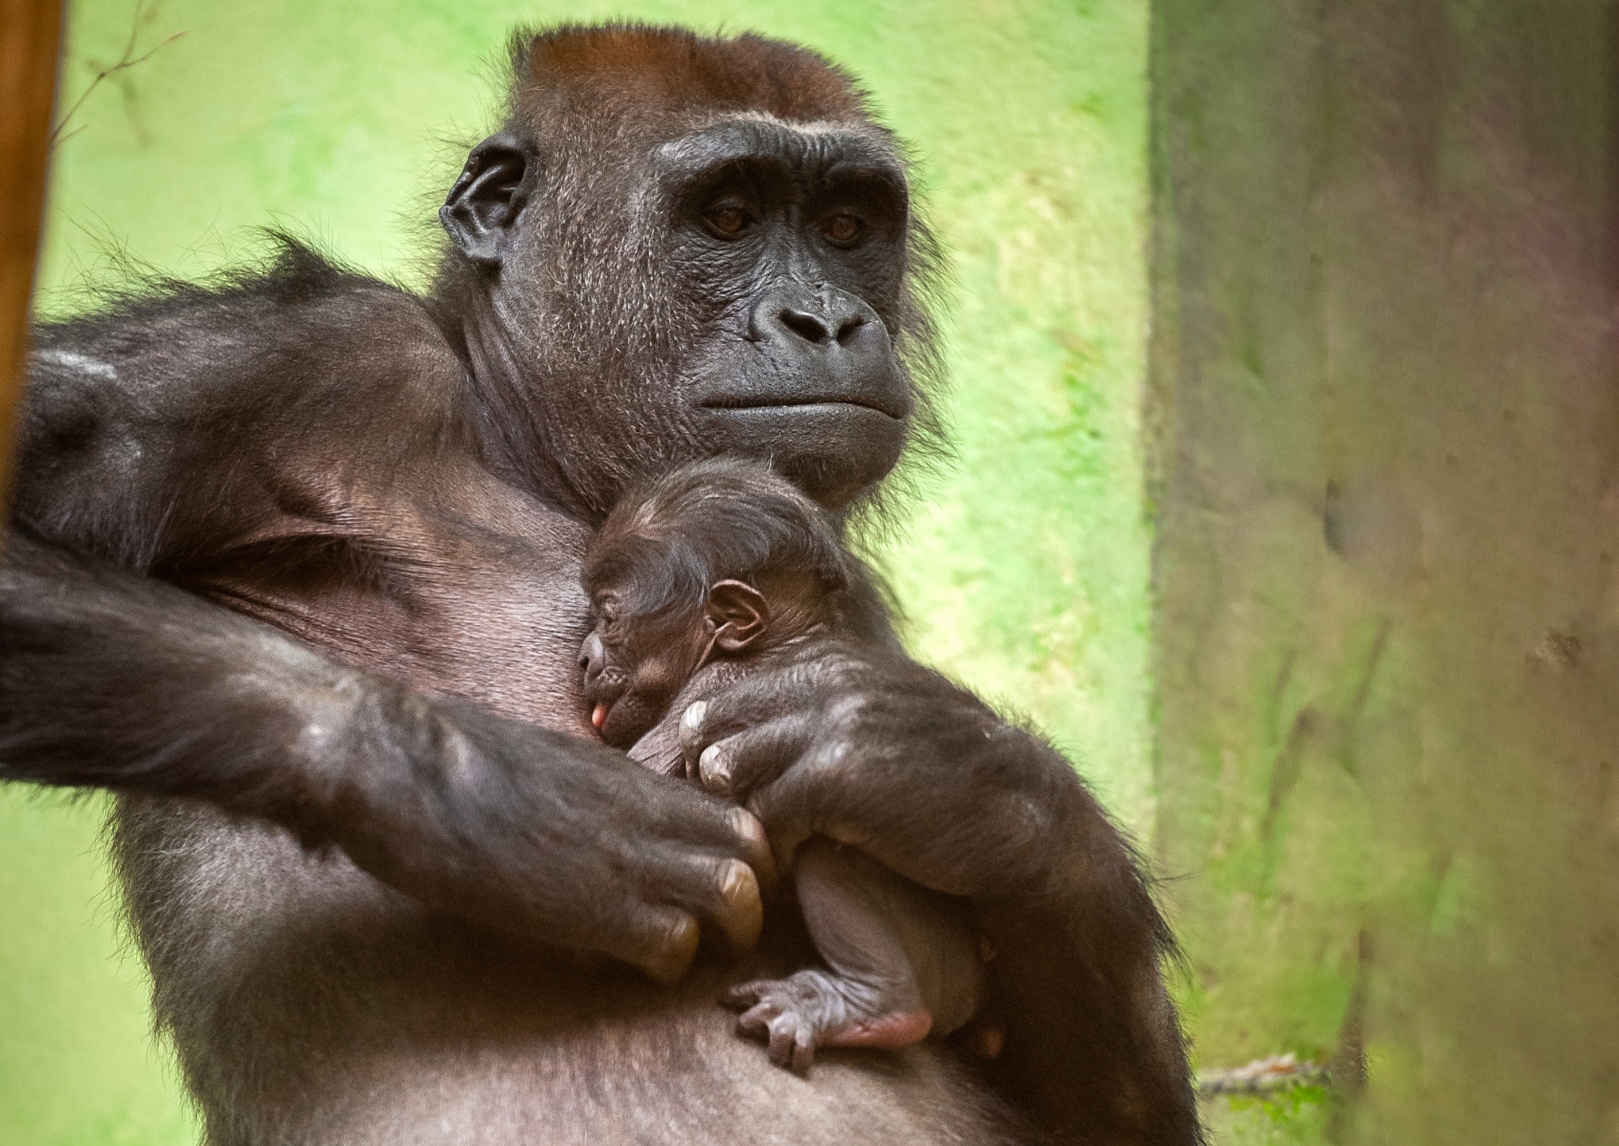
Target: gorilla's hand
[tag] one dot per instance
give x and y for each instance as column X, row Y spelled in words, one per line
column 541, row 833
column 870, row 749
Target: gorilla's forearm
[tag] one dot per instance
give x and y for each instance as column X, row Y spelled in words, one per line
column 1092, row 1043
column 112, row 680
column 1092, row 1046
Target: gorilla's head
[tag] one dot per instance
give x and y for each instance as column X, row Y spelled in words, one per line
column 681, row 247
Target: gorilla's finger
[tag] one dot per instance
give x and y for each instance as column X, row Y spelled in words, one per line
column 691, row 732
column 726, row 893
column 750, row 702
column 692, row 817
column 662, row 941
column 735, row 765
column 806, row 801
column 756, row 850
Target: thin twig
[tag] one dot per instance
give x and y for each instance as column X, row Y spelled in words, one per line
column 127, row 59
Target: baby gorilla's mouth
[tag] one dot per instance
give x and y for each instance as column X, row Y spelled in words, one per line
column 598, row 715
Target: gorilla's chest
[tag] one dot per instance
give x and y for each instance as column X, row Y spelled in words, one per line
column 460, row 586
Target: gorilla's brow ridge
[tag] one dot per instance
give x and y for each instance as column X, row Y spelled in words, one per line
column 731, row 137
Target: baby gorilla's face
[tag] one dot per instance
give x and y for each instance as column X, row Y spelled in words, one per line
column 635, row 663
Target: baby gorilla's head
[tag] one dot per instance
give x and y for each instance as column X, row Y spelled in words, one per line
column 721, row 558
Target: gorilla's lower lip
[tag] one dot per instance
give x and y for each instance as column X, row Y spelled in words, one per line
column 831, row 449
column 811, row 406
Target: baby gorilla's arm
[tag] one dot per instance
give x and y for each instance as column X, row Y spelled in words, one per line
column 902, row 962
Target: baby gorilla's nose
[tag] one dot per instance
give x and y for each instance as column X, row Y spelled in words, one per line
column 592, row 657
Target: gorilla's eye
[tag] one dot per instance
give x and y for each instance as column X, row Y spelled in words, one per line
column 841, row 229
column 728, row 221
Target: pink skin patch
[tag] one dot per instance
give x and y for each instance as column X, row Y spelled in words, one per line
column 891, row 1031
column 987, row 1042
column 598, row 716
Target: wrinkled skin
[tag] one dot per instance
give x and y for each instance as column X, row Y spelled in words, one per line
column 296, row 569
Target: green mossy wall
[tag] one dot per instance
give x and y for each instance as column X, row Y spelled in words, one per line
column 1025, row 564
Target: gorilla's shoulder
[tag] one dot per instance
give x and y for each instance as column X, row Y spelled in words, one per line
column 295, row 323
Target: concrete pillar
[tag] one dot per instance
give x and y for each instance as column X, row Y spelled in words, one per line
column 1386, row 474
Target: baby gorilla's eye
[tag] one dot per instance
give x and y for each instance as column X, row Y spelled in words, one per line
column 841, row 229
column 727, row 220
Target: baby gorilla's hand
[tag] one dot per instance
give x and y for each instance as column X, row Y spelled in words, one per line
column 814, row 1009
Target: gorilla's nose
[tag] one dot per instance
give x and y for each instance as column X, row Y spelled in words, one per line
column 825, row 319
column 819, row 328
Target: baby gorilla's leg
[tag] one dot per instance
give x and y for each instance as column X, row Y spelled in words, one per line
column 901, row 962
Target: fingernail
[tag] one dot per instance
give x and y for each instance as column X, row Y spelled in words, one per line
column 691, row 724
column 740, row 890
column 679, row 949
column 731, row 882
column 746, row 824
column 715, row 767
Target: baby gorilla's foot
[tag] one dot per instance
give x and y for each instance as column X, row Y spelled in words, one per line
column 812, row 1009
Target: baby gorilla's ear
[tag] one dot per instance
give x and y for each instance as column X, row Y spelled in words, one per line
column 739, row 613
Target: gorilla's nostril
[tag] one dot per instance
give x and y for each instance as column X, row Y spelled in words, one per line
column 849, row 328
column 807, row 326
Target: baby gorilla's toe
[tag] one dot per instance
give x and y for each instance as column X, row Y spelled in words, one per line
column 792, row 1043
column 775, row 1018
column 782, row 1015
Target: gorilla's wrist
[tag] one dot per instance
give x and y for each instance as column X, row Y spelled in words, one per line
column 402, row 793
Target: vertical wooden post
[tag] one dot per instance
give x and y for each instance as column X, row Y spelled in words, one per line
column 30, row 40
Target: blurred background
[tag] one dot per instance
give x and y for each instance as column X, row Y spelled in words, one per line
column 1285, row 420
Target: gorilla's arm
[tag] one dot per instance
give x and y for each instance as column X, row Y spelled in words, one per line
column 123, row 682
column 875, row 751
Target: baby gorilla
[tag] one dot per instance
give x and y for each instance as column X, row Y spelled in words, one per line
column 717, row 568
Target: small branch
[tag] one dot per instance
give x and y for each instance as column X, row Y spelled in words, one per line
column 1263, row 1076
column 127, row 59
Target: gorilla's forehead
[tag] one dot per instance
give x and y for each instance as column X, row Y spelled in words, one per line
column 814, row 147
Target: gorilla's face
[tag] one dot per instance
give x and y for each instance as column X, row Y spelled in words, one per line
column 797, row 238
column 737, row 287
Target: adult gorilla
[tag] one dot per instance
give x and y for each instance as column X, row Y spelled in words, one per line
column 675, row 248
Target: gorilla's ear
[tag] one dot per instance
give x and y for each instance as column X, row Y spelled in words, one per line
column 482, row 208
column 739, row 613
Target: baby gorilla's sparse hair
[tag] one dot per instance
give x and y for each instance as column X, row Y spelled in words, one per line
column 664, row 545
